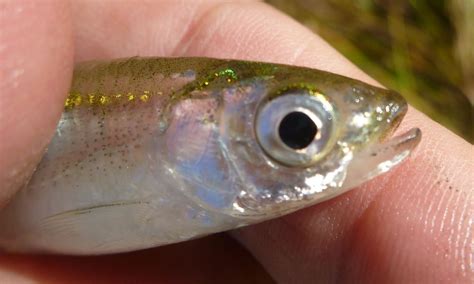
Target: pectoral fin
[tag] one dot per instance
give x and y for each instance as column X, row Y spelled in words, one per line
column 102, row 227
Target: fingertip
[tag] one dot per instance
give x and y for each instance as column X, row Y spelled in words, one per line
column 36, row 52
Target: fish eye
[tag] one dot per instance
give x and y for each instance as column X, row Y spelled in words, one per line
column 295, row 128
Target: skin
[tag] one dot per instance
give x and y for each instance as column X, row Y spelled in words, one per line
column 413, row 224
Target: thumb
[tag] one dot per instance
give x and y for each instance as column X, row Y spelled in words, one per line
column 35, row 71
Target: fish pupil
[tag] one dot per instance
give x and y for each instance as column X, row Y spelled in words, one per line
column 297, row 130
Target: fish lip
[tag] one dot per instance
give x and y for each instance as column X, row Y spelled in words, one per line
column 408, row 139
column 403, row 143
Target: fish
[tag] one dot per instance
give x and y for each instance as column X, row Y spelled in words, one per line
column 154, row 151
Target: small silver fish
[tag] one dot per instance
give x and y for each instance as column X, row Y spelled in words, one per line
column 153, row 151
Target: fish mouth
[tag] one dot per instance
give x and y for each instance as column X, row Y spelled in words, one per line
column 397, row 107
column 381, row 157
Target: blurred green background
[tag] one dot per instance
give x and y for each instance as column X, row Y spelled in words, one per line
column 422, row 48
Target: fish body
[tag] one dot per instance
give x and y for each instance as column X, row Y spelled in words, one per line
column 152, row 151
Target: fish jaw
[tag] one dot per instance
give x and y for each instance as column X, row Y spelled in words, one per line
column 380, row 158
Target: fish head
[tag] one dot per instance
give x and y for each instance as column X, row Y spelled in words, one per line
column 293, row 137
column 256, row 140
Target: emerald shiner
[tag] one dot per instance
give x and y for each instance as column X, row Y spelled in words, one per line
column 153, row 151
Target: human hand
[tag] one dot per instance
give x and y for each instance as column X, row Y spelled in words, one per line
column 413, row 224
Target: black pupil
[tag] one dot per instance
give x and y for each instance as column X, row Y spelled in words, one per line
column 297, row 130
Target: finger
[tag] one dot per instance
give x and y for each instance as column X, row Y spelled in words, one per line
column 199, row 28
column 396, row 246
column 412, row 224
column 105, row 29
column 211, row 260
column 35, row 69
column 264, row 34
column 370, row 229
